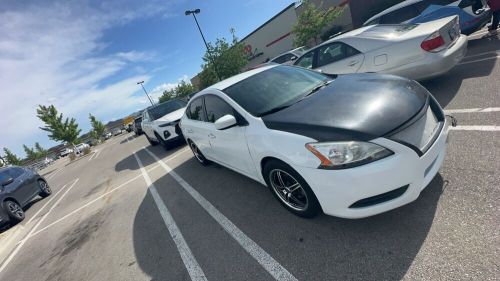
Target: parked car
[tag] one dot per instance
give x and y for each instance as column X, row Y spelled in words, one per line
column 290, row 56
column 160, row 123
column 79, row 148
column 473, row 15
column 18, row 186
column 352, row 147
column 414, row 51
column 137, row 126
column 117, row 131
column 65, row 151
column 107, row 135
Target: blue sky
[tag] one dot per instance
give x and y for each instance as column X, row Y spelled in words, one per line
column 86, row 56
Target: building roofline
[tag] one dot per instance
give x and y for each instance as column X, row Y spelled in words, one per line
column 269, row 20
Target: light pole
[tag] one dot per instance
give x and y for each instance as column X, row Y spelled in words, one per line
column 140, row 83
column 194, row 12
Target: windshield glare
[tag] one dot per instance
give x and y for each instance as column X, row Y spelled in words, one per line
column 165, row 108
column 274, row 88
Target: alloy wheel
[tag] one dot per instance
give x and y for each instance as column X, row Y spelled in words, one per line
column 15, row 209
column 288, row 189
column 44, row 187
column 196, row 152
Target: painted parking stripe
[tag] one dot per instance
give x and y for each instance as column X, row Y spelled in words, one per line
column 476, row 128
column 481, row 54
column 472, row 110
column 20, row 245
column 272, row 266
column 53, row 174
column 192, row 266
column 47, row 203
column 479, row 60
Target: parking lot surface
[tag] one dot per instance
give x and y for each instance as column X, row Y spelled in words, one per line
column 130, row 211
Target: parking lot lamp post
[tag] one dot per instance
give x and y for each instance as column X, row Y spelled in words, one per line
column 194, row 12
column 140, row 83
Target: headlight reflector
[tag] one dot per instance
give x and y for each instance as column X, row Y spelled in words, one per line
column 343, row 155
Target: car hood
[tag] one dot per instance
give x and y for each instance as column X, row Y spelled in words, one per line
column 172, row 116
column 353, row 107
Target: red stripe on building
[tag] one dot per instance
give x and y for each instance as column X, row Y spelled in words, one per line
column 279, row 39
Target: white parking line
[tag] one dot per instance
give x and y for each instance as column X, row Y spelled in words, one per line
column 53, row 174
column 473, row 61
column 472, row 110
column 48, row 202
column 476, row 128
column 20, row 245
column 260, row 255
column 481, row 54
column 192, row 266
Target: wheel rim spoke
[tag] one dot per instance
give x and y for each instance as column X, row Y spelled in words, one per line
column 288, row 189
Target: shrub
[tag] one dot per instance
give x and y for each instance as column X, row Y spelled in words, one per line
column 86, row 150
column 72, row 156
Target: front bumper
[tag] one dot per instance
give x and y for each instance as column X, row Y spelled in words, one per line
column 170, row 133
column 338, row 190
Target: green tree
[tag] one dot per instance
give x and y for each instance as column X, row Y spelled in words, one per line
column 312, row 22
column 11, row 158
column 30, row 153
column 40, row 151
column 65, row 131
column 98, row 127
column 227, row 56
column 181, row 90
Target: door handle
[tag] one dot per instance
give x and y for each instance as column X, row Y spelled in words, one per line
column 189, row 131
column 211, row 136
column 353, row 63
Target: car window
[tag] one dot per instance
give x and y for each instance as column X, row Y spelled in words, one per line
column 306, row 61
column 196, row 111
column 145, row 116
column 164, row 108
column 15, row 172
column 403, row 14
column 274, row 88
column 284, row 58
column 334, row 52
column 216, row 108
column 4, row 175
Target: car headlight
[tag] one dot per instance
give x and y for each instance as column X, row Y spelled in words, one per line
column 343, row 155
column 166, row 124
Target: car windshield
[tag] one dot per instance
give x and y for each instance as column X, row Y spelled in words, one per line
column 274, row 88
column 165, row 108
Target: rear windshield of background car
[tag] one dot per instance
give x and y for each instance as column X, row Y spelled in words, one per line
column 165, row 108
column 407, row 13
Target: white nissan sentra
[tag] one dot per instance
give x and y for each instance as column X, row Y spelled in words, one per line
column 350, row 146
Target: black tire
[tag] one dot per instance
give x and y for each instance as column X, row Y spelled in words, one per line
column 45, row 189
column 301, row 193
column 197, row 154
column 162, row 142
column 14, row 211
column 151, row 142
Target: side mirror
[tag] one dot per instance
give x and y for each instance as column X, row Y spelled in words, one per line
column 8, row 181
column 225, row 122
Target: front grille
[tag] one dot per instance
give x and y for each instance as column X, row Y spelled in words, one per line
column 381, row 198
column 421, row 134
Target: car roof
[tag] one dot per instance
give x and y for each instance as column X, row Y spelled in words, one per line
column 237, row 78
column 393, row 8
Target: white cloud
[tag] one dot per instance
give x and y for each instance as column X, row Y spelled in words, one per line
column 158, row 90
column 50, row 53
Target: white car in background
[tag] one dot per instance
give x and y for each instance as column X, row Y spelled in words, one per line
column 290, row 56
column 160, row 122
column 414, row 51
column 80, row 147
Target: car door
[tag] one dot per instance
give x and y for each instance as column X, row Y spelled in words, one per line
column 338, row 58
column 195, row 127
column 21, row 188
column 229, row 146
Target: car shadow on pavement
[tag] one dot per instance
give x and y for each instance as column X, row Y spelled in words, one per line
column 445, row 87
column 7, row 226
column 381, row 247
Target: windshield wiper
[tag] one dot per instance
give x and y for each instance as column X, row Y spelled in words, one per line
column 317, row 88
column 276, row 109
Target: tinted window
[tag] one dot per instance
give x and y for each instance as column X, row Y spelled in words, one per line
column 195, row 111
column 138, row 120
column 403, row 14
column 306, row 61
column 15, row 172
column 284, row 58
column 334, row 52
column 274, row 88
column 165, row 108
column 216, row 108
column 3, row 176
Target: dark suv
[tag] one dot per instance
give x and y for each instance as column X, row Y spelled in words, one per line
column 18, row 186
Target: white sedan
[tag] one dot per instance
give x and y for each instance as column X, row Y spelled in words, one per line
column 415, row 51
column 160, row 122
column 352, row 147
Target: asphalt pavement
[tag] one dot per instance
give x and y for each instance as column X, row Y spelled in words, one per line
column 130, row 211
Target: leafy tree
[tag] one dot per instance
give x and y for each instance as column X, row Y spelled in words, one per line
column 30, row 153
column 181, row 90
column 312, row 21
column 98, row 127
column 40, row 151
column 227, row 56
column 59, row 130
column 11, row 158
